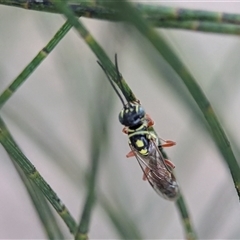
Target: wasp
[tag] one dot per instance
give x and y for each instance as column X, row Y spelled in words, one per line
column 145, row 145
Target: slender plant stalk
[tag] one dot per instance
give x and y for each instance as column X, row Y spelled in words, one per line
column 200, row 26
column 155, row 12
column 99, row 121
column 158, row 16
column 29, row 69
column 121, row 220
column 112, row 72
column 44, row 212
column 187, row 222
column 30, row 171
column 92, row 9
column 216, row 130
column 96, row 145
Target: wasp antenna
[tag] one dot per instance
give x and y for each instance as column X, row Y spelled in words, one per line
column 111, row 82
column 119, row 75
column 116, row 65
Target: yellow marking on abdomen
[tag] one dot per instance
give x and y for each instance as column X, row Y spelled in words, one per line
column 139, row 143
column 144, row 152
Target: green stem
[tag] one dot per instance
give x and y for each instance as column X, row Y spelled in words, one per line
column 83, row 227
column 150, row 12
column 44, row 211
column 200, row 26
column 158, row 16
column 187, row 222
column 156, row 12
column 120, row 219
column 99, row 121
column 7, row 93
column 30, row 171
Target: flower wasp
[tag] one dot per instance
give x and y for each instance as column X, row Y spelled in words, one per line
column 145, row 144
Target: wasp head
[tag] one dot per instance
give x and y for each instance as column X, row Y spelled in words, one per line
column 132, row 115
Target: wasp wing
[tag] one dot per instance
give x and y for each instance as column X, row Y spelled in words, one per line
column 156, row 171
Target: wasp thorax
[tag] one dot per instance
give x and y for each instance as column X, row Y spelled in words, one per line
column 132, row 115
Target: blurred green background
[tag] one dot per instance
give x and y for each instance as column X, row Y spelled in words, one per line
column 50, row 117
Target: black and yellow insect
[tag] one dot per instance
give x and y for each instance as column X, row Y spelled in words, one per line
column 145, row 145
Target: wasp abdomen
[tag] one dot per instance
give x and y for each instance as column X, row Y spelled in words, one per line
column 140, row 143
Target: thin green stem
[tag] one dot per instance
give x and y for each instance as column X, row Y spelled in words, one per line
column 99, row 122
column 159, row 12
column 120, row 219
column 150, row 12
column 44, row 211
column 83, row 227
column 158, row 16
column 30, row 171
column 34, row 63
column 200, row 26
column 187, row 222
column 216, row 131
column 99, row 132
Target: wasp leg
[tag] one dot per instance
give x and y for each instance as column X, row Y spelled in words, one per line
column 150, row 121
column 130, row 154
column 168, row 143
column 125, row 130
column 146, row 172
column 169, row 163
